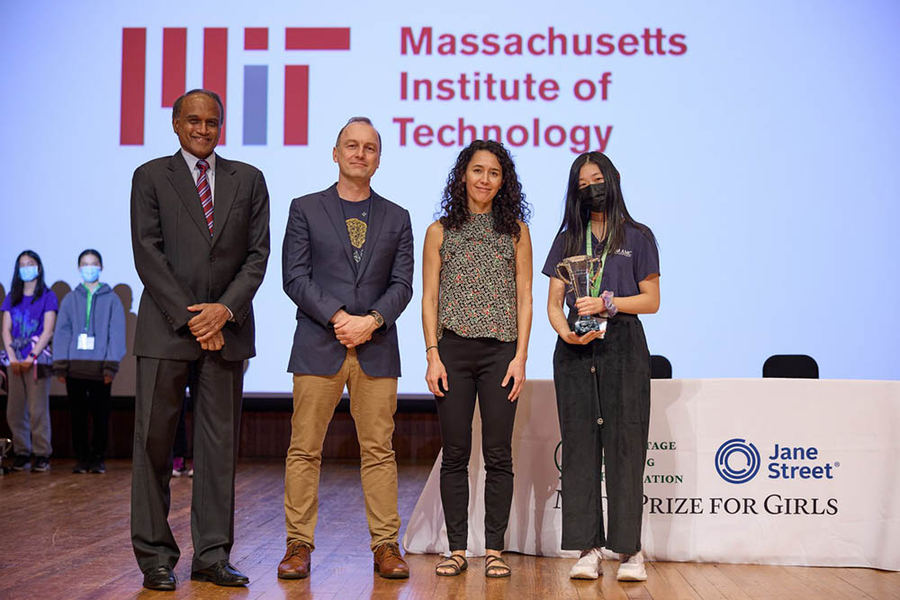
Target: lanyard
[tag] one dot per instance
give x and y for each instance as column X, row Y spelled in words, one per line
column 595, row 283
column 90, row 298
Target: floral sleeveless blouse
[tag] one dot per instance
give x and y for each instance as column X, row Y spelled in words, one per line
column 478, row 281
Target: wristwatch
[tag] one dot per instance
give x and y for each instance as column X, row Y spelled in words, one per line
column 379, row 320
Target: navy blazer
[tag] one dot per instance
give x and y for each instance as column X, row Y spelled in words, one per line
column 317, row 266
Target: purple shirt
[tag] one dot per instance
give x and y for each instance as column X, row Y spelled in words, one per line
column 28, row 317
column 624, row 269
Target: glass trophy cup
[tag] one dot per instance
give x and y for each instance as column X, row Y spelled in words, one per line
column 580, row 272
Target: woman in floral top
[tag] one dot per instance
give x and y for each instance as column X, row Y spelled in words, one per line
column 476, row 316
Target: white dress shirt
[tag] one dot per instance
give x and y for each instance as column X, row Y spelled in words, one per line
column 191, row 161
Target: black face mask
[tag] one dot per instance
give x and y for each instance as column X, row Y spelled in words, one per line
column 593, row 195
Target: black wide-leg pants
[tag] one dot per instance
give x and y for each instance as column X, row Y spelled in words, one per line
column 476, row 366
column 607, row 379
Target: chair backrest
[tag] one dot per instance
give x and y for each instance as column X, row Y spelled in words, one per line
column 660, row 367
column 794, row 366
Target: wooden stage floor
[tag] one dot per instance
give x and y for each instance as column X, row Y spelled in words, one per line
column 66, row 536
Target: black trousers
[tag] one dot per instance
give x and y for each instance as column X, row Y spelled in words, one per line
column 476, row 366
column 182, row 449
column 217, row 410
column 89, row 399
column 608, row 379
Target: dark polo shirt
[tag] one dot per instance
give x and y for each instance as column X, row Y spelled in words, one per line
column 624, row 269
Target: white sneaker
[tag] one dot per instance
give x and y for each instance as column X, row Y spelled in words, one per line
column 632, row 568
column 588, row 566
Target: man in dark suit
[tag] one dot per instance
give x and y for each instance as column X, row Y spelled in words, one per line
column 347, row 264
column 200, row 233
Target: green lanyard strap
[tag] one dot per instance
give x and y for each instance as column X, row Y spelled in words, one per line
column 90, row 298
column 595, row 282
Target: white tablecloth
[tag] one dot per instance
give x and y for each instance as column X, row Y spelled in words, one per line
column 716, row 488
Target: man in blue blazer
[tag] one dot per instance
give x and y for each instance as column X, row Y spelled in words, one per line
column 347, row 264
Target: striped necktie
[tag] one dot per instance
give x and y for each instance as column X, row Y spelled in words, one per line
column 205, row 194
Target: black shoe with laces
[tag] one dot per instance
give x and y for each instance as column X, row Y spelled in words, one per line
column 98, row 466
column 81, row 466
column 22, row 462
column 221, row 573
column 160, row 578
column 41, row 464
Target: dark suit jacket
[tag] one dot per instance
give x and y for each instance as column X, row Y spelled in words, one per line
column 180, row 264
column 319, row 277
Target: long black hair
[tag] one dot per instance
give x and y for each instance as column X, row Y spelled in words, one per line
column 509, row 206
column 17, row 291
column 578, row 214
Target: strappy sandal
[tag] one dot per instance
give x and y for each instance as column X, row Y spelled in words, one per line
column 451, row 562
column 496, row 567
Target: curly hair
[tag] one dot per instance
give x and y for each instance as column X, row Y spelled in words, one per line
column 509, row 205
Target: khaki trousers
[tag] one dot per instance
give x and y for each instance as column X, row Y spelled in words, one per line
column 373, row 401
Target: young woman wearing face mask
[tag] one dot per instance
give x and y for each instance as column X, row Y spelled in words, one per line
column 89, row 343
column 29, row 313
column 602, row 379
column 476, row 317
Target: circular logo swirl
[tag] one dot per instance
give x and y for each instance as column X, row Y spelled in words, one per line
column 557, row 456
column 737, row 461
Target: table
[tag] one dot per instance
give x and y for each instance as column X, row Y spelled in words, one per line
column 758, row 471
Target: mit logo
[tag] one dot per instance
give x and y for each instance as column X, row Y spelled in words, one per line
column 215, row 77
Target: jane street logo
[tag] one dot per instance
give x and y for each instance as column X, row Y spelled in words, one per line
column 737, row 461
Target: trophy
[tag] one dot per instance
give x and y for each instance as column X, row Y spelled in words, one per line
column 5, row 444
column 582, row 271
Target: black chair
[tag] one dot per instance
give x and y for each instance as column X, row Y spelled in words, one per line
column 660, row 367
column 793, row 366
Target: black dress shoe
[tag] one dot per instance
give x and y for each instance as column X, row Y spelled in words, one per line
column 160, row 578
column 221, row 573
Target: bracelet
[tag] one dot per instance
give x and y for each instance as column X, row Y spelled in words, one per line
column 32, row 355
column 429, row 348
column 607, row 297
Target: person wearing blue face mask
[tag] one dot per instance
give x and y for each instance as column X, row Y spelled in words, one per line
column 89, row 343
column 29, row 314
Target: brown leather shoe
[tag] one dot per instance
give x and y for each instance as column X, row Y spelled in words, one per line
column 295, row 564
column 389, row 563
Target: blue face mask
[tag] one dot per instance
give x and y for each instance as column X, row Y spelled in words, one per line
column 90, row 273
column 28, row 273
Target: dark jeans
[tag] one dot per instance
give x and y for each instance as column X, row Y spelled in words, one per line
column 476, row 366
column 608, row 379
column 89, row 396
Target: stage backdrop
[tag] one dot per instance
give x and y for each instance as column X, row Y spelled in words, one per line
column 757, row 140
